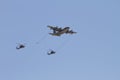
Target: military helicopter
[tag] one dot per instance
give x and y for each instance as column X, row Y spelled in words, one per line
column 59, row 31
column 51, row 52
column 20, row 46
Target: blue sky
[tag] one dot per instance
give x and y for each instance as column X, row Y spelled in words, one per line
column 91, row 54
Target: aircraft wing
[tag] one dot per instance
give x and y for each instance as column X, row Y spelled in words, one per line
column 55, row 28
column 55, row 34
column 51, row 27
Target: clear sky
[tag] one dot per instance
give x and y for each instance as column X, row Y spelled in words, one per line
column 91, row 54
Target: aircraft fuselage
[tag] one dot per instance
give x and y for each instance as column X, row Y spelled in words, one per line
column 61, row 32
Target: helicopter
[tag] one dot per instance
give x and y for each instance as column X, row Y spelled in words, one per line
column 51, row 52
column 20, row 46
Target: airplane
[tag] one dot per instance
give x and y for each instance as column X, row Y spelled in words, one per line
column 59, row 31
column 20, row 46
